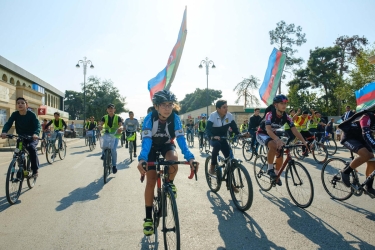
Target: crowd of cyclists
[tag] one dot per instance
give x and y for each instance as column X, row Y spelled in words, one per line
column 162, row 128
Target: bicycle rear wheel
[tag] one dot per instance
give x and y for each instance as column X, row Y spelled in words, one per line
column 260, row 173
column 320, row 153
column 62, row 151
column 241, row 187
column 299, row 184
column 213, row 180
column 331, row 179
column 14, row 180
column 331, row 146
column 43, row 147
column 50, row 153
column 247, row 151
column 298, row 151
column 171, row 225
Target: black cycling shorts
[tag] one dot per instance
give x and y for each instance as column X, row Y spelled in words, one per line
column 163, row 149
column 355, row 145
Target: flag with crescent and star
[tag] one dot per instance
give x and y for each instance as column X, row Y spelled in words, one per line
column 164, row 79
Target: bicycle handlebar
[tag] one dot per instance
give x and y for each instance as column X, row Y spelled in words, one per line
column 10, row 136
column 193, row 171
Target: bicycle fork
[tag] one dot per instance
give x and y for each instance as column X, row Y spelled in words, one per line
column 294, row 174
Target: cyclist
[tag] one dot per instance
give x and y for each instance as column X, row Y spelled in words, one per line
column 275, row 119
column 254, row 122
column 58, row 125
column 287, row 130
column 301, row 121
column 201, row 129
column 358, row 138
column 244, row 126
column 131, row 126
column 113, row 124
column 190, row 129
column 44, row 130
column 26, row 124
column 313, row 125
column 218, row 125
column 91, row 125
column 160, row 129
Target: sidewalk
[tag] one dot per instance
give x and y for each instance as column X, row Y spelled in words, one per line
column 11, row 148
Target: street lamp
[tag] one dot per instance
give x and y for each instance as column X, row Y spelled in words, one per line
column 84, row 62
column 207, row 63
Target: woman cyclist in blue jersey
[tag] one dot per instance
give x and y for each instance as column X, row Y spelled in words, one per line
column 160, row 129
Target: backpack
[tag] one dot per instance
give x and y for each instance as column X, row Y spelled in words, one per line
column 346, row 125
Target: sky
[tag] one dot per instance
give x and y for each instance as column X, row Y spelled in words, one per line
column 129, row 41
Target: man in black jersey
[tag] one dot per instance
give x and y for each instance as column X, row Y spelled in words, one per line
column 254, row 122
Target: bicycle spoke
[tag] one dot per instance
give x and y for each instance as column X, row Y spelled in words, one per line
column 241, row 188
column 171, row 226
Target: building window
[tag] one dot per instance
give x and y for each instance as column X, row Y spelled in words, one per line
column 11, row 81
column 3, row 117
column 18, row 83
column 5, row 78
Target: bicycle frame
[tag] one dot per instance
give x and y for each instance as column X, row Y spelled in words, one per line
column 288, row 162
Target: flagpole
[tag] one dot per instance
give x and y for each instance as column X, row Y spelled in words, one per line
column 281, row 78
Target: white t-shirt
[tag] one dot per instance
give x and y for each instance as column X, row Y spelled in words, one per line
column 338, row 132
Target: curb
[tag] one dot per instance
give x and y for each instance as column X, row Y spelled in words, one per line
column 10, row 149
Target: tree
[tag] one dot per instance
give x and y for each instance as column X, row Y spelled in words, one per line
column 243, row 90
column 286, row 37
column 73, row 104
column 198, row 99
column 101, row 93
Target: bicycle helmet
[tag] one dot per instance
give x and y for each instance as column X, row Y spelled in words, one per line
column 280, row 98
column 163, row 96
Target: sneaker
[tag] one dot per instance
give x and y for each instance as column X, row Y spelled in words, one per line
column 174, row 189
column 148, row 227
column 370, row 191
column 345, row 179
column 114, row 169
column 279, row 183
column 212, row 170
column 272, row 174
column 235, row 189
column 135, row 154
column 35, row 173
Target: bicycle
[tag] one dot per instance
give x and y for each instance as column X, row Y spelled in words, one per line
column 107, row 142
column 206, row 144
column 131, row 139
column 330, row 144
column 98, row 135
column 298, row 178
column 90, row 135
column 43, row 143
column 19, row 169
column 249, row 152
column 190, row 138
column 86, row 138
column 318, row 150
column 235, row 175
column 164, row 205
column 333, row 185
column 122, row 140
column 52, row 150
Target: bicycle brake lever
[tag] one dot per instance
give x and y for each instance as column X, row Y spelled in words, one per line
column 144, row 167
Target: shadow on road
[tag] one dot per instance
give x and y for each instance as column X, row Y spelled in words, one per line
column 124, row 164
column 369, row 215
column 90, row 192
column 150, row 242
column 79, row 152
column 251, row 235
column 312, row 227
column 96, row 154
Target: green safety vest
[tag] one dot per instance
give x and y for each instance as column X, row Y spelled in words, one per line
column 314, row 122
column 60, row 127
column 200, row 127
column 113, row 129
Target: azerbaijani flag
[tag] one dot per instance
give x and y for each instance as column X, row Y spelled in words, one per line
column 164, row 79
column 365, row 96
column 272, row 78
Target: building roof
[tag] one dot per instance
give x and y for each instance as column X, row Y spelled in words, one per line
column 25, row 74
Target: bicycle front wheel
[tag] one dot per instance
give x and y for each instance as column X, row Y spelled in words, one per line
column 331, row 179
column 91, row 145
column 50, row 153
column 206, row 144
column 247, row 151
column 106, row 164
column 43, row 147
column 320, row 153
column 260, row 173
column 298, row 151
column 131, row 150
column 62, row 151
column 86, row 141
column 299, row 184
column 14, row 180
column 171, row 225
column 213, row 179
column 331, row 146
column 241, row 187
column 31, row 180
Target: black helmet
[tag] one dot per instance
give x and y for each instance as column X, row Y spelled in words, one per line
column 163, row 96
column 280, row 98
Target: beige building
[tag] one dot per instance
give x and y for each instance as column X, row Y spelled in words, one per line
column 16, row 82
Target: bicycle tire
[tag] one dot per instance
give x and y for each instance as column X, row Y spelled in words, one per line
column 235, row 143
column 331, row 179
column 43, row 147
column 62, row 152
column 320, row 153
column 263, row 150
column 298, row 178
column 171, row 225
column 241, row 181
column 50, row 153
column 298, row 152
column 207, row 145
column 213, row 182
column 31, row 180
column 91, row 145
column 260, row 173
column 156, row 220
column 106, row 165
column 131, row 151
column 86, row 140
column 14, row 180
column 331, row 146
column 247, row 152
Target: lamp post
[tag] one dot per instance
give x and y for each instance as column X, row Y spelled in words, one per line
column 84, row 62
column 207, row 63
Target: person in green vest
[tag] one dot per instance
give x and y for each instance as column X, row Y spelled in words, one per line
column 244, row 126
column 313, row 125
column 91, row 127
column 202, row 129
column 58, row 125
column 27, row 124
column 113, row 124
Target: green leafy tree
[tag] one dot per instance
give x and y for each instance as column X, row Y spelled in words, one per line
column 198, row 99
column 243, row 91
column 73, row 104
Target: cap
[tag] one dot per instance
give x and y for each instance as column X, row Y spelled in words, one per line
column 110, row 106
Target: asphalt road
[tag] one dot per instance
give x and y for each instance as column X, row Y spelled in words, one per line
column 71, row 208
